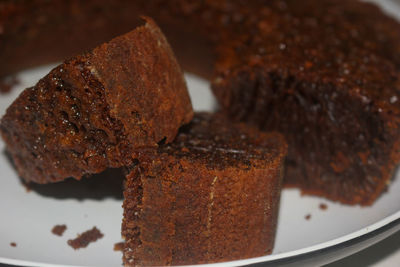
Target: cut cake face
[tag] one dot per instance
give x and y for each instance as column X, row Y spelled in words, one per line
column 97, row 110
column 211, row 195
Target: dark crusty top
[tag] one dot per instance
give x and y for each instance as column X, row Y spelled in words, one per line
column 215, row 141
column 340, row 22
column 349, row 45
column 98, row 109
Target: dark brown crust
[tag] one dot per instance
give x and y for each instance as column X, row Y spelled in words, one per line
column 184, row 207
column 35, row 25
column 268, row 53
column 328, row 78
column 58, row 29
column 85, row 238
column 218, row 143
column 99, row 109
column 59, row 229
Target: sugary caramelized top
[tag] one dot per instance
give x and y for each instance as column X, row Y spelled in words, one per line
column 214, row 140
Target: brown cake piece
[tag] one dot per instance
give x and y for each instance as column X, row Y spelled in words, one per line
column 59, row 229
column 85, row 238
column 119, row 246
column 326, row 77
column 97, row 110
column 314, row 49
column 193, row 28
column 56, row 30
column 212, row 195
column 75, row 26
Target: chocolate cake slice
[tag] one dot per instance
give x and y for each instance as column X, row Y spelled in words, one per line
column 319, row 74
column 211, row 195
column 193, row 28
column 97, row 110
column 276, row 57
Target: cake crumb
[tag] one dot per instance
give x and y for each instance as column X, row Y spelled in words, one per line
column 59, row 229
column 13, row 244
column 308, row 217
column 27, row 188
column 323, row 206
column 119, row 246
column 84, row 239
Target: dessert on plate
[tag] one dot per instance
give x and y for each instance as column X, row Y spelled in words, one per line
column 98, row 109
column 324, row 73
column 211, row 195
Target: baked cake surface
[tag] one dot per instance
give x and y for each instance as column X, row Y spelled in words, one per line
column 211, row 195
column 98, row 109
column 58, row 29
column 313, row 66
column 327, row 76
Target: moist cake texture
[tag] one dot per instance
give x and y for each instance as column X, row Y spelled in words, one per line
column 97, row 110
column 324, row 73
column 327, row 76
column 211, row 195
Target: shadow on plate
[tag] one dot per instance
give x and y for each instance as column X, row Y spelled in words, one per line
column 108, row 184
column 372, row 255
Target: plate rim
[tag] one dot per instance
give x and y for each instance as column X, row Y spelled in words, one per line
column 391, row 222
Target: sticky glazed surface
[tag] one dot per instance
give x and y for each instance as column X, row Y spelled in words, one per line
column 191, row 204
column 97, row 110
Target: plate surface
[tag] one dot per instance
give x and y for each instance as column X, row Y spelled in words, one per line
column 27, row 216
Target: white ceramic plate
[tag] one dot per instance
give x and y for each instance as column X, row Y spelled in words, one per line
column 27, row 218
